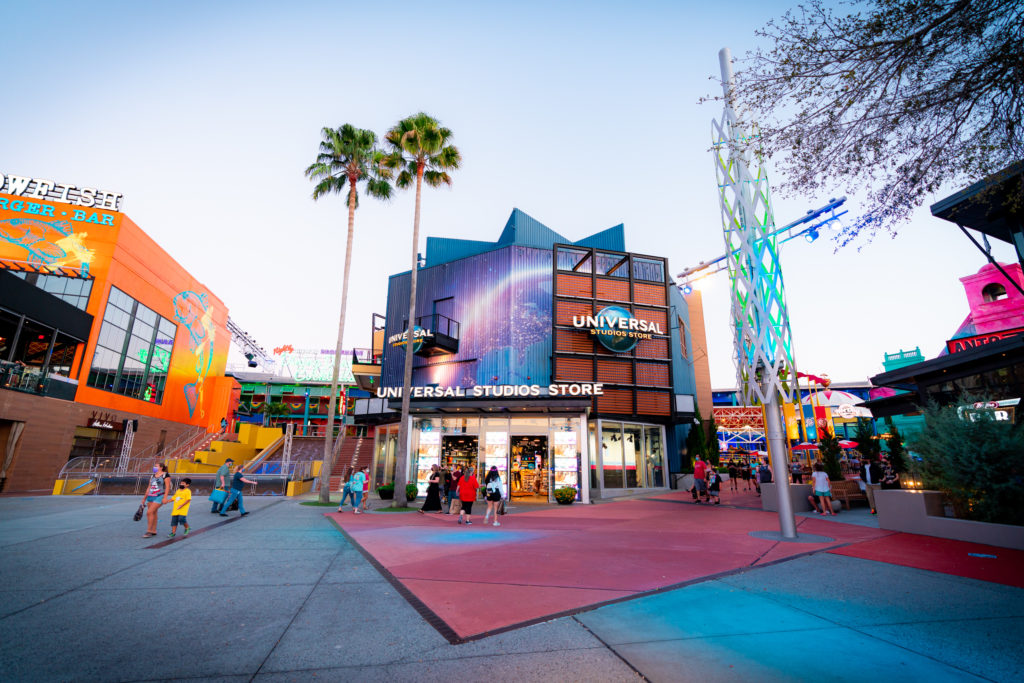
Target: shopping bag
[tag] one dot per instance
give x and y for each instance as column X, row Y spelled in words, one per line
column 501, row 507
column 456, row 507
column 138, row 513
column 218, row 495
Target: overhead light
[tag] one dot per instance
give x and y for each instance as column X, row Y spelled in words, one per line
column 811, row 235
column 687, row 289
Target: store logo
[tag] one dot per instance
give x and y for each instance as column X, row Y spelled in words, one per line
column 616, row 328
column 419, row 335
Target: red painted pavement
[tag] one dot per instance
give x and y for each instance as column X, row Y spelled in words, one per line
column 945, row 556
column 549, row 561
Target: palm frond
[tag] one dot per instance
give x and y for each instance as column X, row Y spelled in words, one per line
column 436, row 178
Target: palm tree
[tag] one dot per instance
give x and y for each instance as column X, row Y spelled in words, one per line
column 419, row 148
column 348, row 156
column 273, row 410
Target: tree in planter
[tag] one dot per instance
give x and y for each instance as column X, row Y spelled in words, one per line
column 714, row 456
column 830, row 449
column 348, row 156
column 866, row 443
column 420, row 147
column 897, row 453
column 975, row 460
column 696, row 444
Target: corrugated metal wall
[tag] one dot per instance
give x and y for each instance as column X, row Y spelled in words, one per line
column 501, row 298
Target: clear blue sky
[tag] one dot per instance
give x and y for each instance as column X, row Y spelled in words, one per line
column 582, row 114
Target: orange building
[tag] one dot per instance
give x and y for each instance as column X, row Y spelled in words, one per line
column 98, row 326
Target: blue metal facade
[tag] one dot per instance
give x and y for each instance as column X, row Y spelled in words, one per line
column 501, row 295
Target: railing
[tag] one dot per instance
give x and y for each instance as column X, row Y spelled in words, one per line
column 185, row 445
column 20, row 377
column 438, row 324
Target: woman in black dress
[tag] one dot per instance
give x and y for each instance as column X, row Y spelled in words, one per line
column 433, row 501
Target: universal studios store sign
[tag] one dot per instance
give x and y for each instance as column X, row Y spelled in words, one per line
column 616, row 328
column 498, row 391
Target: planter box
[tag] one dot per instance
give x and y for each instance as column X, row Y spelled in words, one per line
column 797, row 494
column 920, row 512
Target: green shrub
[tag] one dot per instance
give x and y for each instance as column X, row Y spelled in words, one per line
column 975, row 460
column 829, row 447
column 565, row 495
column 411, row 491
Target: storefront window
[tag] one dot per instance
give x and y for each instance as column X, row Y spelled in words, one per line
column 565, row 435
column 653, row 451
column 427, row 444
column 633, row 450
column 611, row 454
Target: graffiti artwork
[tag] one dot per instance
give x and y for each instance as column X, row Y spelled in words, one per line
column 192, row 310
column 48, row 243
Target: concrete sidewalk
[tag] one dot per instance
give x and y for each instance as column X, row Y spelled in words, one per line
column 282, row 595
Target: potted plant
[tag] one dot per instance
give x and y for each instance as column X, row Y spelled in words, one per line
column 386, row 491
column 565, row 495
column 411, row 492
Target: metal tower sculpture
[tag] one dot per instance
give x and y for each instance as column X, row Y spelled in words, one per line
column 762, row 338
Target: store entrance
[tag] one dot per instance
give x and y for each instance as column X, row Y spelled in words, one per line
column 529, row 478
column 459, row 451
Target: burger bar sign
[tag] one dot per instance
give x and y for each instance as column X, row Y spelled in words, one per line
column 616, row 328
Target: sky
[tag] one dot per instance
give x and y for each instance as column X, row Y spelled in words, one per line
column 582, row 114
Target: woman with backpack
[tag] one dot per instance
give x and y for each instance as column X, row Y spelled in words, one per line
column 495, row 494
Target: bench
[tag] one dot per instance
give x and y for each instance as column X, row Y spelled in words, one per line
column 847, row 490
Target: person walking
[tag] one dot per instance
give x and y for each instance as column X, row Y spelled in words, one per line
column 871, row 476
column 346, row 493
column 179, row 510
column 433, row 501
column 797, row 471
column 822, row 489
column 455, row 504
column 221, row 481
column 700, row 485
column 468, row 486
column 446, row 488
column 366, row 487
column 755, row 476
column 734, row 474
column 238, row 482
column 745, row 473
column 157, row 493
column 714, row 486
column 356, row 484
column 495, row 494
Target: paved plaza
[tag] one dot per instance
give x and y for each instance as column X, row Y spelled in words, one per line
column 656, row 589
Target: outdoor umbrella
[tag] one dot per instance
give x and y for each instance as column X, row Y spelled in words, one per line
column 806, row 446
column 845, row 443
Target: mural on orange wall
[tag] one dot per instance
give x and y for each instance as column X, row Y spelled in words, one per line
column 54, row 235
column 192, row 310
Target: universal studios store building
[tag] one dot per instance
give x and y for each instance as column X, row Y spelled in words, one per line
column 559, row 363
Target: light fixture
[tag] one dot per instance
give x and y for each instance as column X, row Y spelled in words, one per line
column 687, row 289
column 811, row 235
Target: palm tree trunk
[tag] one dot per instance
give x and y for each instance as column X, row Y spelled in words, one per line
column 402, row 460
column 328, row 461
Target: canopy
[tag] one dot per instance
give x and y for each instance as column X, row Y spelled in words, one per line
column 806, row 446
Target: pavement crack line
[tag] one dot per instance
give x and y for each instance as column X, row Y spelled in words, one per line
column 297, row 613
column 612, row 650
column 156, row 556
column 860, row 631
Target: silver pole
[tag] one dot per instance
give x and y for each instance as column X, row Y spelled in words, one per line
column 780, row 467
